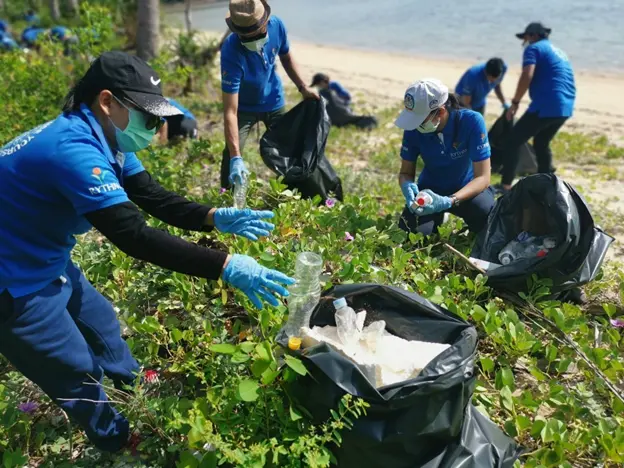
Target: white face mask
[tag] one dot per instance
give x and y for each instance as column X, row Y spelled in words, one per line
column 257, row 45
column 429, row 126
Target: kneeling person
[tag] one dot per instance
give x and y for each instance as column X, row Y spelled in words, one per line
column 454, row 147
column 178, row 126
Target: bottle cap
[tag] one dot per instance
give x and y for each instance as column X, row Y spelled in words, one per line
column 339, row 303
column 294, row 343
column 420, row 201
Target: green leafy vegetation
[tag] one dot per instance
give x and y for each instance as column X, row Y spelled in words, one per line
column 221, row 393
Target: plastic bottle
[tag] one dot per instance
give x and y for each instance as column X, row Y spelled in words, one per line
column 526, row 246
column 240, row 193
column 305, row 293
column 346, row 323
column 422, row 199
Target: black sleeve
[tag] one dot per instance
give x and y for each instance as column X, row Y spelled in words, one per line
column 167, row 206
column 125, row 227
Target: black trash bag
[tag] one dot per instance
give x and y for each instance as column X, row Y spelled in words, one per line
column 427, row 421
column 295, row 148
column 341, row 115
column 498, row 136
column 543, row 204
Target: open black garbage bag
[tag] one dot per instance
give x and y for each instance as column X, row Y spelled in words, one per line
column 427, row 421
column 498, row 136
column 295, row 148
column 543, row 204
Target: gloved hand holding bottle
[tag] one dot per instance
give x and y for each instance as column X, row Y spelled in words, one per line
column 246, row 223
column 238, row 170
column 257, row 282
column 409, row 189
column 438, row 203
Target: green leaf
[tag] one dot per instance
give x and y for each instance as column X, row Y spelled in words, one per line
column 523, row 423
column 248, row 390
column 553, row 430
column 487, row 364
column 259, row 366
column 296, row 365
column 247, row 346
column 267, row 257
column 223, row 348
column 187, row 460
column 478, row 313
column 239, row 357
column 263, row 350
column 507, row 399
column 176, row 335
column 294, row 414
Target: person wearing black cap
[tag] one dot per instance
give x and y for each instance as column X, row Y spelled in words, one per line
column 78, row 171
column 547, row 75
column 322, row 81
column 252, row 89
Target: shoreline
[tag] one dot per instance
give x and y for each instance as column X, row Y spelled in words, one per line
column 381, row 78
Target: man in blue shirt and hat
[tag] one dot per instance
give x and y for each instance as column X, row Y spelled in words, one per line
column 547, row 75
column 252, row 89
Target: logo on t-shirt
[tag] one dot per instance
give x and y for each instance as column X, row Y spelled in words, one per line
column 97, row 174
column 456, row 145
column 100, row 175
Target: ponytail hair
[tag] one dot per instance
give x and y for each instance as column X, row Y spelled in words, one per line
column 453, row 102
column 81, row 93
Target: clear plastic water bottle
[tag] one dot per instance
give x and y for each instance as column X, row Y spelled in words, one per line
column 346, row 323
column 422, row 199
column 526, row 246
column 305, row 293
column 240, row 193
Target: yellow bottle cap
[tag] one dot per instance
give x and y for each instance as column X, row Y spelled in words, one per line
column 294, row 343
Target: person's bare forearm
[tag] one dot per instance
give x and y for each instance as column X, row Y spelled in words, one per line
column 231, row 133
column 499, row 94
column 405, row 177
column 523, row 86
column 292, row 70
column 466, row 101
column 473, row 188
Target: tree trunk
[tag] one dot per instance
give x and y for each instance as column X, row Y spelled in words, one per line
column 187, row 15
column 148, row 28
column 2, row 6
column 72, row 5
column 55, row 10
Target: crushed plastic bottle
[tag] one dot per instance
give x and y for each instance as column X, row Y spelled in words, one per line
column 305, row 293
column 347, row 324
column 240, row 193
column 422, row 199
column 526, row 246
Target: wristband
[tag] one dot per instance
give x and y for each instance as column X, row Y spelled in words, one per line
column 515, row 103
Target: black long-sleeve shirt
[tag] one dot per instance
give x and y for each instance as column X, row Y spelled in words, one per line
column 125, row 227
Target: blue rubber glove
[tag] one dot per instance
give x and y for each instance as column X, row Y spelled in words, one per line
column 506, row 106
column 256, row 281
column 410, row 190
column 238, row 170
column 438, row 203
column 246, row 223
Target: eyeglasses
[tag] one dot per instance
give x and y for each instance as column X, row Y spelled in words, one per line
column 151, row 121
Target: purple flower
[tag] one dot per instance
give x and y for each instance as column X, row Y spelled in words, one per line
column 348, row 237
column 618, row 323
column 223, row 190
column 330, row 202
column 28, row 407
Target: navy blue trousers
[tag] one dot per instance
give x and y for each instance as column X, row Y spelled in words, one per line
column 474, row 212
column 65, row 338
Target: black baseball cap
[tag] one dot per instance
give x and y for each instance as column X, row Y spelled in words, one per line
column 534, row 28
column 133, row 78
column 318, row 78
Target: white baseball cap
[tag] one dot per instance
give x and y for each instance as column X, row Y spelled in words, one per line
column 421, row 98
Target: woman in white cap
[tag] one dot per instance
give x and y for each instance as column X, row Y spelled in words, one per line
column 453, row 145
column 252, row 89
column 80, row 171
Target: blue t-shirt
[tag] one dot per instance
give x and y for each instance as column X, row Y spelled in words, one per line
column 448, row 161
column 3, row 26
column 187, row 113
column 7, row 42
column 31, row 34
column 340, row 90
column 474, row 83
column 552, row 88
column 59, row 32
column 49, row 178
column 253, row 75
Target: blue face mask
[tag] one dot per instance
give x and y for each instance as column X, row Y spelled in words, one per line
column 136, row 136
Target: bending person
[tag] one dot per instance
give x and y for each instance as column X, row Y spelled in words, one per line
column 252, row 89
column 453, row 145
column 78, row 171
column 478, row 81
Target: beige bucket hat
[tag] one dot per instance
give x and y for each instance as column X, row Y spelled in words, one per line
column 247, row 17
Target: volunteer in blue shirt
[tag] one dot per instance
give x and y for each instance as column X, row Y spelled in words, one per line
column 548, row 76
column 178, row 126
column 322, row 81
column 78, row 171
column 453, row 145
column 475, row 85
column 6, row 40
column 252, row 89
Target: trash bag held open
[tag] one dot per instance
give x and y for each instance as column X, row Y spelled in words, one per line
column 498, row 135
column 295, row 148
column 543, row 205
column 427, row 421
